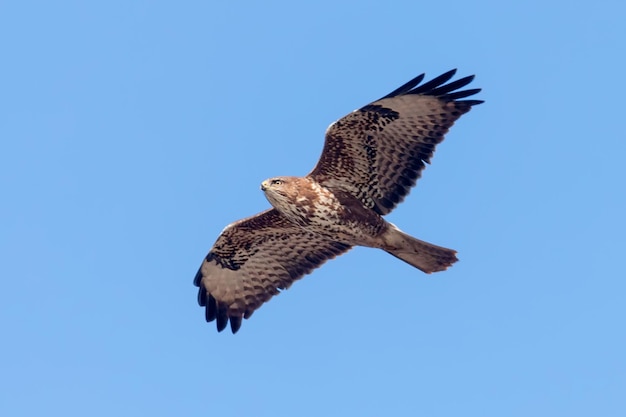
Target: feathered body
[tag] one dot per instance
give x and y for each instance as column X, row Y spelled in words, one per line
column 336, row 215
column 371, row 159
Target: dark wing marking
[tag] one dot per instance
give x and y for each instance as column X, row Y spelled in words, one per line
column 378, row 152
column 252, row 260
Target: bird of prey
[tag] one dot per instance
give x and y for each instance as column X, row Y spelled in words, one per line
column 371, row 159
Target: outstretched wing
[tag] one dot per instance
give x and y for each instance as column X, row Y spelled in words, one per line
column 252, row 260
column 378, row 152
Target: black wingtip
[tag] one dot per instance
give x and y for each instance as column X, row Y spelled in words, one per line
column 434, row 83
column 198, row 277
column 437, row 87
column 210, row 312
column 202, row 297
column 462, row 94
column 405, row 88
column 472, row 102
column 213, row 311
column 221, row 320
column 235, row 323
column 454, row 85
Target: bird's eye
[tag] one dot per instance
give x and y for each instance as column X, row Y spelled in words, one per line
column 277, row 182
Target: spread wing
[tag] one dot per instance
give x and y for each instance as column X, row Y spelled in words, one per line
column 378, row 152
column 252, row 260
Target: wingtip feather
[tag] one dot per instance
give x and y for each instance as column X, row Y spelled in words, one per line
column 235, row 323
column 221, row 320
column 406, row 87
column 437, row 87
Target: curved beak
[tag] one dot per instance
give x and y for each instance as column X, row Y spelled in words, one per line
column 264, row 185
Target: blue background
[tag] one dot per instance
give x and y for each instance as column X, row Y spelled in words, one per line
column 132, row 132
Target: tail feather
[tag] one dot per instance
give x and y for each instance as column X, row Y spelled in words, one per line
column 422, row 255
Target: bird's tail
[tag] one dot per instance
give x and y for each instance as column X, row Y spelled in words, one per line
column 423, row 255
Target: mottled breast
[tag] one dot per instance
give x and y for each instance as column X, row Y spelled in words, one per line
column 332, row 213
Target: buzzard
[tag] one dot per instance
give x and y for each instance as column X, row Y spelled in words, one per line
column 371, row 159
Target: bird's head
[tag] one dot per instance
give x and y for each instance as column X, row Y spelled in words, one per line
column 280, row 190
column 273, row 184
column 291, row 196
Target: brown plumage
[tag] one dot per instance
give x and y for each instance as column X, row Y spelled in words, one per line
column 371, row 159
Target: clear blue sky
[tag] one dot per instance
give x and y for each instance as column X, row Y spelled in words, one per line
column 132, row 132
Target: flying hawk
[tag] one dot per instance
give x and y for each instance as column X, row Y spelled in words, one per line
column 371, row 159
